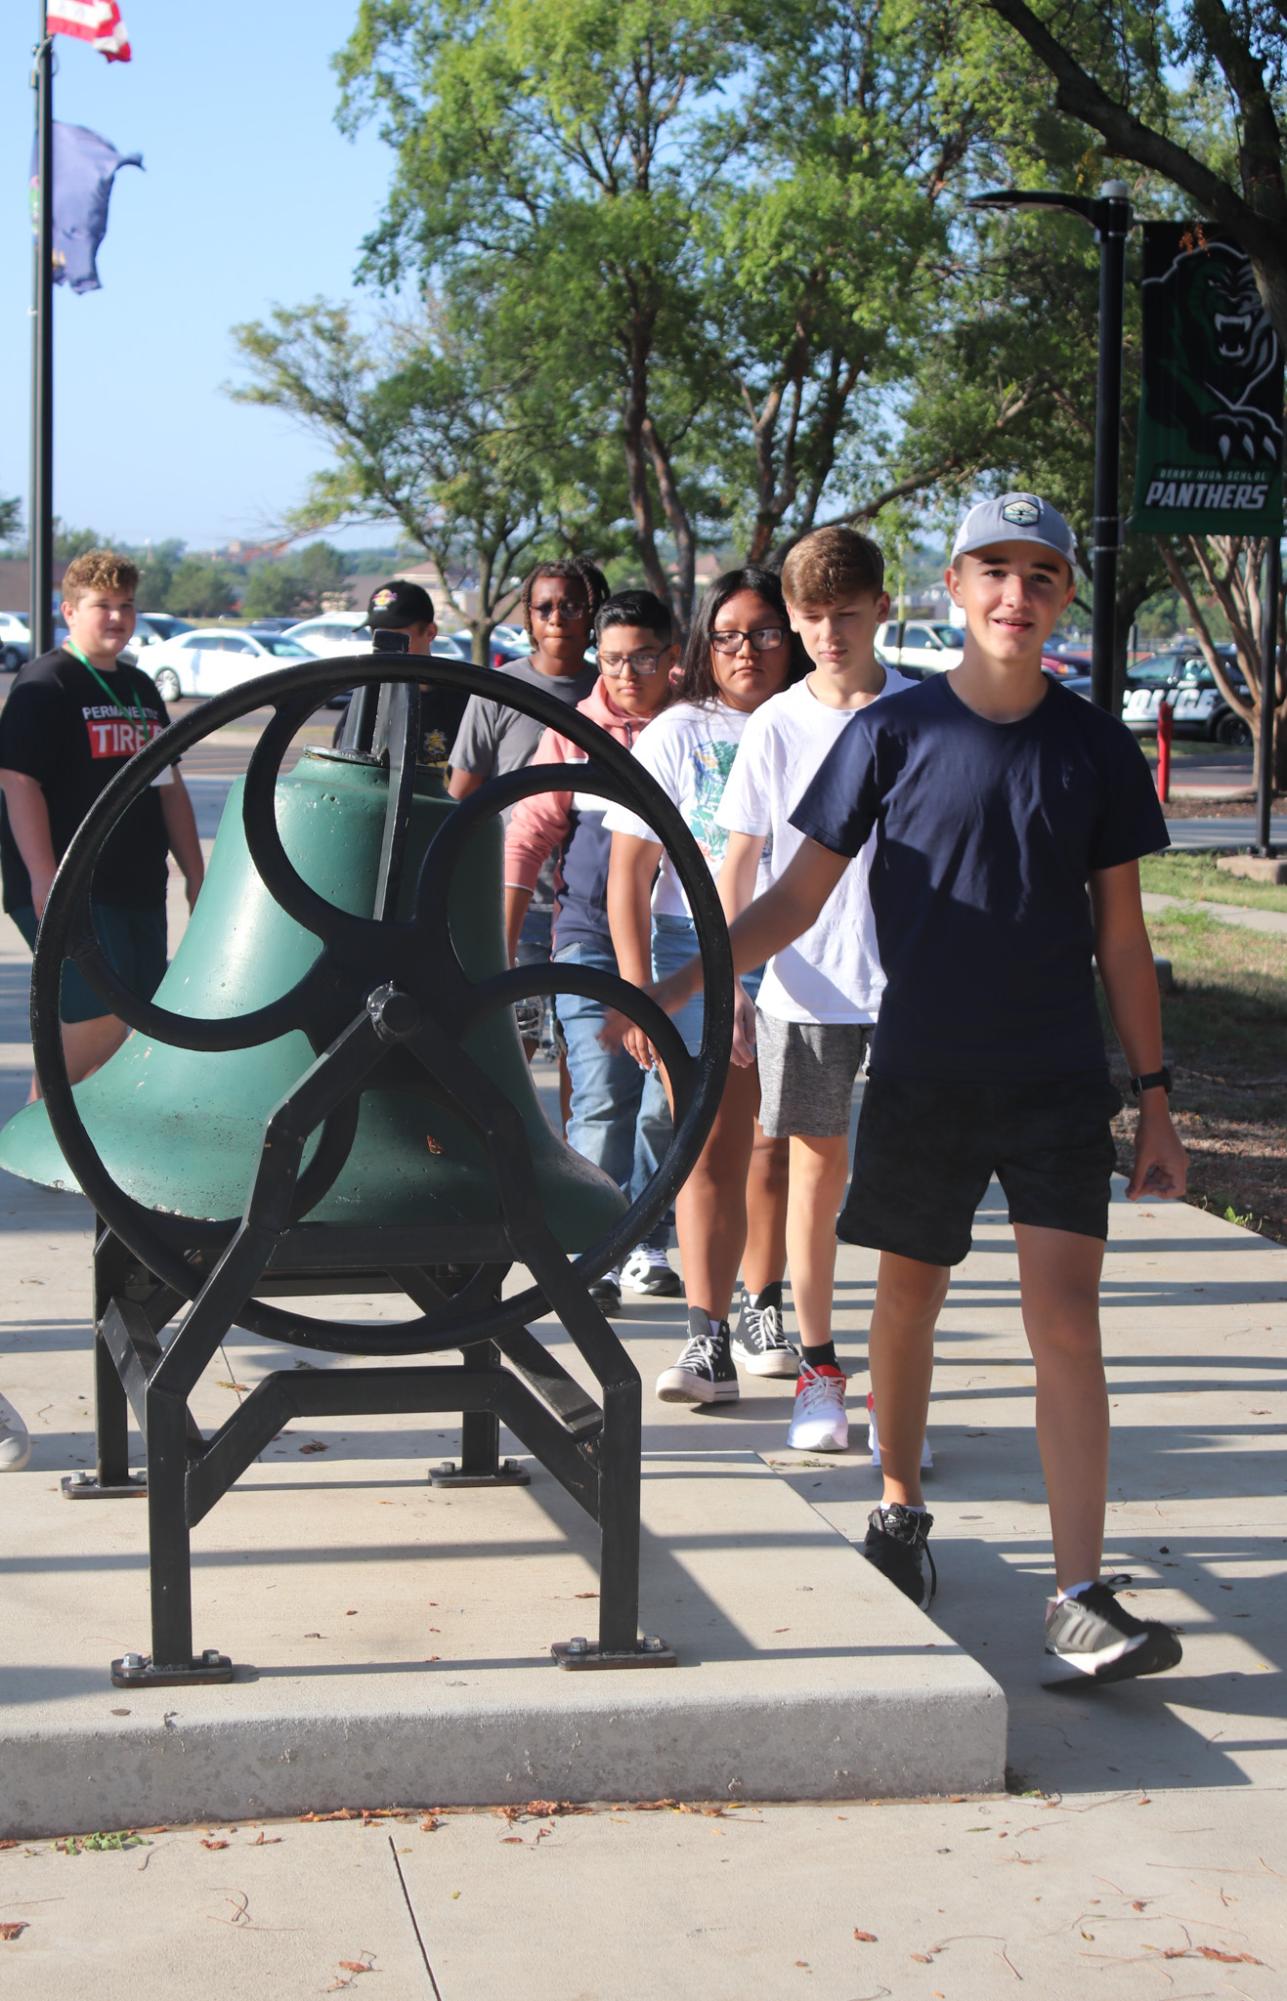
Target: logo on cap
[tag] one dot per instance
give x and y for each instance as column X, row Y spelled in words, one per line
column 1022, row 513
column 383, row 599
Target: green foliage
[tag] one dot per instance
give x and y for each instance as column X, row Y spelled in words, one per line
column 201, row 587
column 296, row 584
column 10, row 519
column 72, row 542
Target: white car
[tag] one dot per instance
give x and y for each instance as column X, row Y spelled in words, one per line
column 213, row 659
column 929, row 643
column 332, row 633
column 15, row 640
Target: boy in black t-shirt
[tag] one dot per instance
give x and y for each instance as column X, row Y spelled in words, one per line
column 998, row 799
column 74, row 718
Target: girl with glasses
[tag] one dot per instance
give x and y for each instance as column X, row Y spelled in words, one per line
column 731, row 1212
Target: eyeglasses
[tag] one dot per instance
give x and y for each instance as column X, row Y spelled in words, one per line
column 569, row 608
column 644, row 663
column 762, row 640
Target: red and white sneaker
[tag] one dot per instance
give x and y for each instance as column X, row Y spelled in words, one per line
column 818, row 1421
column 873, row 1440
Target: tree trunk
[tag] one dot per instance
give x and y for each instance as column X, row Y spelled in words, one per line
column 634, row 422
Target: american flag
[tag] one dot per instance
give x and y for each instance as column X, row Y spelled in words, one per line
column 97, row 22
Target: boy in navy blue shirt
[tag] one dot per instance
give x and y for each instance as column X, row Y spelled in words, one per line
column 998, row 800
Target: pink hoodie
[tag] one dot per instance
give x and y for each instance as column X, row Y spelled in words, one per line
column 540, row 826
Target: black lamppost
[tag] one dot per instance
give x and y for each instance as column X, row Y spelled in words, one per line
column 1110, row 217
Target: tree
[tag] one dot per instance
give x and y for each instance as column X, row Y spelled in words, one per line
column 1128, row 73
column 10, row 520
column 702, row 234
column 1232, row 569
column 424, row 432
column 202, row 588
column 296, row 584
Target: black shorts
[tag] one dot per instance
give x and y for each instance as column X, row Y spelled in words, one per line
column 926, row 1152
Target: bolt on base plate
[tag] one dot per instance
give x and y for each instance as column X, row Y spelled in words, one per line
column 86, row 1487
column 509, row 1473
column 650, row 1652
column 137, row 1671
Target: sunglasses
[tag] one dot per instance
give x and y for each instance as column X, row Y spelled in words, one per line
column 569, row 608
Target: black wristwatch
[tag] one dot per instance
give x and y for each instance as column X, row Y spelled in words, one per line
column 1155, row 1080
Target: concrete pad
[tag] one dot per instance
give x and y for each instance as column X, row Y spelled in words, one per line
column 1127, row 1896
column 392, row 1648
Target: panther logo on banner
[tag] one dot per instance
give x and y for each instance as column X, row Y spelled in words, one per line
column 1211, row 410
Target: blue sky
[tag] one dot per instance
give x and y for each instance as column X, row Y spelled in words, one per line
column 250, row 197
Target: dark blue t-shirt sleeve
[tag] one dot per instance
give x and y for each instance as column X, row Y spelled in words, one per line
column 839, row 809
column 1131, row 822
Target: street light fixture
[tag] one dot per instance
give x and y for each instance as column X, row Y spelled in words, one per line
column 1109, row 215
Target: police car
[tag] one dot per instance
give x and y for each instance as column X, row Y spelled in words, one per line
column 1197, row 706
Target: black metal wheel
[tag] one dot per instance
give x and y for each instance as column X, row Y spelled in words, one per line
column 360, row 958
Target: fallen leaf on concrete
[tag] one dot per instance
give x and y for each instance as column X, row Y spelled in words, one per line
column 512, row 1841
column 12, row 1930
column 1211, row 1952
column 214, row 1844
column 864, row 1938
column 8, row 1844
column 239, row 1387
column 263, row 1840
column 313, row 1445
column 431, row 1823
column 356, row 1966
column 922, row 1958
column 585, row 1594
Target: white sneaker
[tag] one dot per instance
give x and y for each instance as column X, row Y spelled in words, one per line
column 818, row 1421
column 873, row 1441
column 650, row 1271
column 15, row 1445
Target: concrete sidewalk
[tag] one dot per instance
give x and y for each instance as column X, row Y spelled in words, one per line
column 1141, row 1852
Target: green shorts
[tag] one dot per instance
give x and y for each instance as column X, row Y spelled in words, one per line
column 132, row 942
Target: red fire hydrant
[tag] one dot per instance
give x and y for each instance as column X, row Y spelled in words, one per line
column 1164, row 718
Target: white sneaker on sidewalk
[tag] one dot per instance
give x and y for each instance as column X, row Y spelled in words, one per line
column 818, row 1421
column 873, row 1440
column 649, row 1270
column 15, row 1445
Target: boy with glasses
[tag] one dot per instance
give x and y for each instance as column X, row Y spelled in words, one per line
column 1009, row 818
column 617, row 1119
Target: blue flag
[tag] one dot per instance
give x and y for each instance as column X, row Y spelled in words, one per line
column 84, row 168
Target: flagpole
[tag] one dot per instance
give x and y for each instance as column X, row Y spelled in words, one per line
column 41, row 509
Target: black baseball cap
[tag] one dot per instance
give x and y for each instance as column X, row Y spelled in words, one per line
column 398, row 604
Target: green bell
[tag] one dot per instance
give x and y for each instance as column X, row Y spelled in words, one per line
column 181, row 1130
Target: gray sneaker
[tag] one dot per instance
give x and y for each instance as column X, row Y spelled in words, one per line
column 1099, row 1640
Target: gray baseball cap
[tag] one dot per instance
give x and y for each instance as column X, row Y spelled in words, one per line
column 1015, row 517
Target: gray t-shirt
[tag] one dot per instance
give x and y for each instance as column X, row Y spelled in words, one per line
column 493, row 739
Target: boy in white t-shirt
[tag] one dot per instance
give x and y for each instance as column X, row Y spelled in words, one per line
column 821, row 994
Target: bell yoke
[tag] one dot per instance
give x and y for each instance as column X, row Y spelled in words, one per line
column 328, row 1096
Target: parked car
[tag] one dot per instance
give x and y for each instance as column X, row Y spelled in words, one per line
column 1198, row 709
column 15, row 640
column 273, row 623
column 920, row 642
column 212, row 659
column 332, row 633
column 165, row 624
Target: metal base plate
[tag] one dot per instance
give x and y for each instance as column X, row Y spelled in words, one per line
column 509, row 1473
column 137, row 1671
column 650, row 1652
column 84, row 1487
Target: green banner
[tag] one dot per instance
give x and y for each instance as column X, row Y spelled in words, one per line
column 1210, row 456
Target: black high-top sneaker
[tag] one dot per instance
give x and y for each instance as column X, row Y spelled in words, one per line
column 704, row 1372
column 760, row 1343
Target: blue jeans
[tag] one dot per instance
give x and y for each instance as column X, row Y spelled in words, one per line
column 674, row 943
column 620, row 1119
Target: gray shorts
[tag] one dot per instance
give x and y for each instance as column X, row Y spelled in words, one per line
column 807, row 1072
